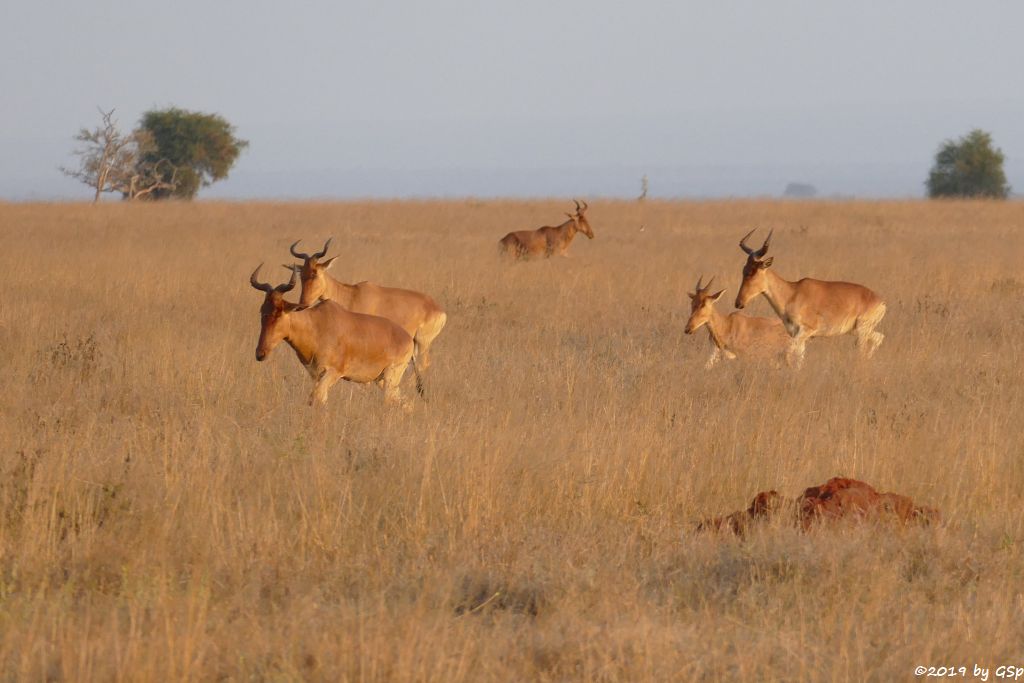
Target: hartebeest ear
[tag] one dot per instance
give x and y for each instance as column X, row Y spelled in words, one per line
column 692, row 296
column 291, row 266
column 327, row 264
column 767, row 262
column 717, row 296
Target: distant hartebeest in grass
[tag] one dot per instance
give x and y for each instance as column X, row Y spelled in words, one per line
column 415, row 312
column 812, row 308
column 333, row 343
column 735, row 334
column 549, row 240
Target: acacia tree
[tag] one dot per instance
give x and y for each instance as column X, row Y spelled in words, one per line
column 201, row 147
column 968, row 167
column 112, row 161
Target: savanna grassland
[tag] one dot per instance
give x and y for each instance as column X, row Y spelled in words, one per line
column 170, row 509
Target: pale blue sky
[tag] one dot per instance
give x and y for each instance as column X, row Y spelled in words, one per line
column 342, row 99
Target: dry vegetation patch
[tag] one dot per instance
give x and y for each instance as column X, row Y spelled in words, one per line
column 170, row 509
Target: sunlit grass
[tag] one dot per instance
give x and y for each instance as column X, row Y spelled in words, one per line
column 171, row 509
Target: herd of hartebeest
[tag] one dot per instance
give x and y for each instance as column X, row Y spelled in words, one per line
column 369, row 333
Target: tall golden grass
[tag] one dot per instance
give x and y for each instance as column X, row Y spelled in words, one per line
column 171, row 510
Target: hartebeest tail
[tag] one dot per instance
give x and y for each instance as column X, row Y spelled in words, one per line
column 812, row 308
column 333, row 343
column 735, row 334
column 418, row 314
column 548, row 240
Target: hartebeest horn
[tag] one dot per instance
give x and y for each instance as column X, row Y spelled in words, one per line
column 760, row 252
column 262, row 286
column 699, row 281
column 323, row 252
column 288, row 286
column 306, row 257
column 577, row 205
column 585, row 205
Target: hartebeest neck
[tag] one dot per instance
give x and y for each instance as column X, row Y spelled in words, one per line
column 719, row 326
column 340, row 292
column 300, row 335
column 567, row 231
column 778, row 291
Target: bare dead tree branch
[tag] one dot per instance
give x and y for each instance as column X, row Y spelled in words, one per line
column 111, row 161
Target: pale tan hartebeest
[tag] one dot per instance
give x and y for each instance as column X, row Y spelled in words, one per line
column 734, row 334
column 333, row 343
column 549, row 240
column 812, row 308
column 415, row 312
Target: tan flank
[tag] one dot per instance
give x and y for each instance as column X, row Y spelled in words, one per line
column 735, row 334
column 812, row 308
column 333, row 343
column 549, row 240
column 416, row 313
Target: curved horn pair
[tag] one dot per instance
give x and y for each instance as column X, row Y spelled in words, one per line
column 264, row 287
column 760, row 252
column 578, row 207
column 319, row 254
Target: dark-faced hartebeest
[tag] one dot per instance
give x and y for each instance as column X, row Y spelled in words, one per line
column 734, row 334
column 812, row 308
column 333, row 343
column 549, row 240
column 415, row 312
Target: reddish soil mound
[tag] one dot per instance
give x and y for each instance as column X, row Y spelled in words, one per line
column 838, row 498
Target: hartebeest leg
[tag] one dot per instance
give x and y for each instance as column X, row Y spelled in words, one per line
column 390, row 380
column 425, row 336
column 795, row 356
column 713, row 359
column 323, row 385
column 868, row 340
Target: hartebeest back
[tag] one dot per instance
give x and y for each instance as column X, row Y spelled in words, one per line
column 415, row 312
column 735, row 334
column 549, row 240
column 333, row 343
column 812, row 308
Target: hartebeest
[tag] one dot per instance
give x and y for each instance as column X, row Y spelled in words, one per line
column 812, row 308
column 415, row 312
column 333, row 343
column 734, row 334
column 549, row 240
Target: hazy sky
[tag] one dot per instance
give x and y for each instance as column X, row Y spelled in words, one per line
column 537, row 98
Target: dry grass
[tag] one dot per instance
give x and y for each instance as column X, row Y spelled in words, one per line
column 171, row 510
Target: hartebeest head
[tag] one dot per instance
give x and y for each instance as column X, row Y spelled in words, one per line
column 273, row 313
column 580, row 219
column 312, row 272
column 702, row 305
column 754, row 271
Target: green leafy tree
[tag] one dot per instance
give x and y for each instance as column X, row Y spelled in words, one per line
column 201, row 147
column 968, row 167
